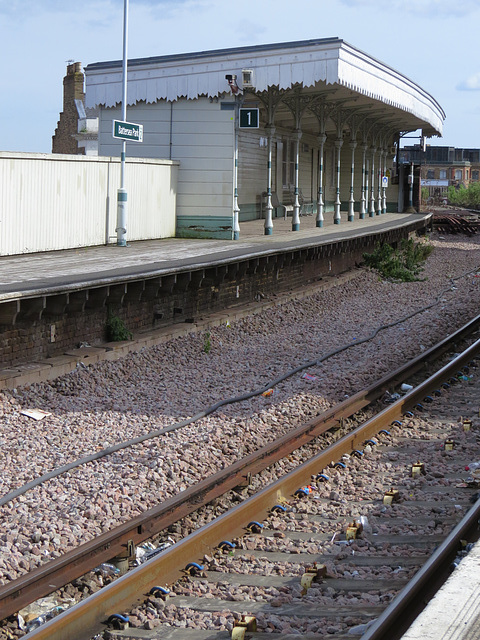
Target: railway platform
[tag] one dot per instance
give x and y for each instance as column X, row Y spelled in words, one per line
column 41, row 293
column 27, row 275
column 454, row 612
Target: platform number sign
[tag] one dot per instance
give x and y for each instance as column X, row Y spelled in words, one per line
column 249, row 118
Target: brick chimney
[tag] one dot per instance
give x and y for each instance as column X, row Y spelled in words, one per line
column 63, row 141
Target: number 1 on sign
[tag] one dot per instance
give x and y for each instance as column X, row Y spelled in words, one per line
column 248, row 118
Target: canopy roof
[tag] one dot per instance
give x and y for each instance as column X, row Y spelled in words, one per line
column 324, row 71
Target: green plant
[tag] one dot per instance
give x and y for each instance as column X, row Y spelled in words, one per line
column 116, row 330
column 399, row 265
column 207, row 343
column 465, row 197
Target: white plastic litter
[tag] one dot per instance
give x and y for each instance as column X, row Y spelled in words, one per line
column 36, row 414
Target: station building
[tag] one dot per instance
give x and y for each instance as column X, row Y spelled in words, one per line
column 290, row 129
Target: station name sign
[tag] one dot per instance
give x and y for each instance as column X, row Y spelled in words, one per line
column 128, row 131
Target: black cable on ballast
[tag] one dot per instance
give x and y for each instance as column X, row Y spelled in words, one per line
column 202, row 414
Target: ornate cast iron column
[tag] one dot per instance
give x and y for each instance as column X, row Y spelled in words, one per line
column 320, row 203
column 337, row 217
column 379, row 180
column 351, row 202
column 364, row 173
column 296, row 203
column 384, row 195
column 270, row 130
column 271, row 101
column 372, row 187
column 367, row 184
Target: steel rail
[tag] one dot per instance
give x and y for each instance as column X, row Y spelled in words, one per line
column 70, row 566
column 409, row 603
column 85, row 619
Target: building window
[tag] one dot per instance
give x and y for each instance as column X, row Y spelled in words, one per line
column 475, row 175
column 443, row 174
column 458, row 174
column 288, row 163
column 430, row 174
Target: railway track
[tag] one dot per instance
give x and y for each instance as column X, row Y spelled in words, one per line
column 117, row 542
column 464, row 223
column 320, row 512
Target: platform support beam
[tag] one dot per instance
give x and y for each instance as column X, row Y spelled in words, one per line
column 364, row 171
column 367, row 185
column 270, row 129
column 296, row 201
column 320, row 203
column 384, row 195
column 379, row 180
column 372, row 186
column 337, row 217
column 351, row 202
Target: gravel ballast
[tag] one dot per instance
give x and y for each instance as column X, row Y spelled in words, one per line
column 109, row 402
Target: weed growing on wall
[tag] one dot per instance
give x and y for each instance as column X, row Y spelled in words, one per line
column 116, row 330
column 399, row 265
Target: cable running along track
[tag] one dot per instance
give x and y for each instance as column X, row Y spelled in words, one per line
column 87, row 618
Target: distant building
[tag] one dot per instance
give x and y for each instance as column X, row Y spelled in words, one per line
column 76, row 132
column 443, row 167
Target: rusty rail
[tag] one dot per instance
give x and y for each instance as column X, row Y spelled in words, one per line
column 85, row 619
column 55, row 574
column 454, row 223
column 398, row 616
column 86, row 557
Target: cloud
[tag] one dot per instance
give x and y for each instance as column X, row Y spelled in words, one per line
column 26, row 8
column 426, row 8
column 472, row 83
column 248, row 31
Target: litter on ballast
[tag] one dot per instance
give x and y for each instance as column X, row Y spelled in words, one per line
column 36, row 414
column 148, row 550
column 107, row 569
column 42, row 610
column 308, row 376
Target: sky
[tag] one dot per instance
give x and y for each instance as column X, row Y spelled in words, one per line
column 435, row 43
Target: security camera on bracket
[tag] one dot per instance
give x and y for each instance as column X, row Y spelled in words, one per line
column 232, row 83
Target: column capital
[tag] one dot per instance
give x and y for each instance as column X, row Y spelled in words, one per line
column 322, row 138
column 338, row 143
column 298, row 134
column 270, row 130
column 353, row 145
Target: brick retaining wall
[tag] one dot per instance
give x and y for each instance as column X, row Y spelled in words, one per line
column 187, row 296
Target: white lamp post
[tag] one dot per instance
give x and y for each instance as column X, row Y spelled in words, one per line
column 122, row 192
